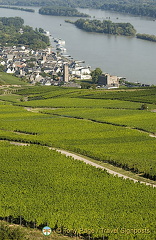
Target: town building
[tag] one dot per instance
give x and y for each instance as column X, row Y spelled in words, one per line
column 65, row 73
column 108, row 81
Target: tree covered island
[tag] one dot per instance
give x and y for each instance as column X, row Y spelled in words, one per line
column 13, row 32
column 105, row 26
column 61, row 11
column 146, row 37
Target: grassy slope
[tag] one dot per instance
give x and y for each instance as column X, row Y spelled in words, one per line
column 8, row 79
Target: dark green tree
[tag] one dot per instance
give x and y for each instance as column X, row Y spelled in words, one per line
column 144, row 106
column 95, row 74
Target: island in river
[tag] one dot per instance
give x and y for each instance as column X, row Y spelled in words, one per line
column 146, row 37
column 105, row 26
column 61, row 11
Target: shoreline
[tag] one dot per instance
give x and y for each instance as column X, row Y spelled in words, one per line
column 69, row 58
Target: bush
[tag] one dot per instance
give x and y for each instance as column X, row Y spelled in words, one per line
column 144, row 106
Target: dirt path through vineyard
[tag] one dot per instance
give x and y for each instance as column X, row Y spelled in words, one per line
column 84, row 159
column 77, row 157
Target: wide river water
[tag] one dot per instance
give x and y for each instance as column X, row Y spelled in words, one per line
column 123, row 56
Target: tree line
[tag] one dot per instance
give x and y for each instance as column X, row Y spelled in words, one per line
column 61, row 11
column 131, row 8
column 17, row 8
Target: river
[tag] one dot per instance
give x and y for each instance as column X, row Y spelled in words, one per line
column 123, row 56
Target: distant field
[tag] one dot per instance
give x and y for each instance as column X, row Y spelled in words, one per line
column 82, row 103
column 134, row 95
column 147, row 95
column 142, row 120
column 10, row 98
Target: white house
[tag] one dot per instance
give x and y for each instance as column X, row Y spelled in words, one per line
column 10, row 70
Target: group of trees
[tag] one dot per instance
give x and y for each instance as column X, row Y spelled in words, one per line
column 95, row 75
column 146, row 37
column 10, row 35
column 34, row 39
column 16, row 22
column 132, row 8
column 61, row 11
column 106, row 26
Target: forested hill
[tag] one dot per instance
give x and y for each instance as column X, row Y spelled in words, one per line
column 136, row 7
column 10, row 34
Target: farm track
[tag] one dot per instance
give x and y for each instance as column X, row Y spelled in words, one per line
column 77, row 157
column 85, row 160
